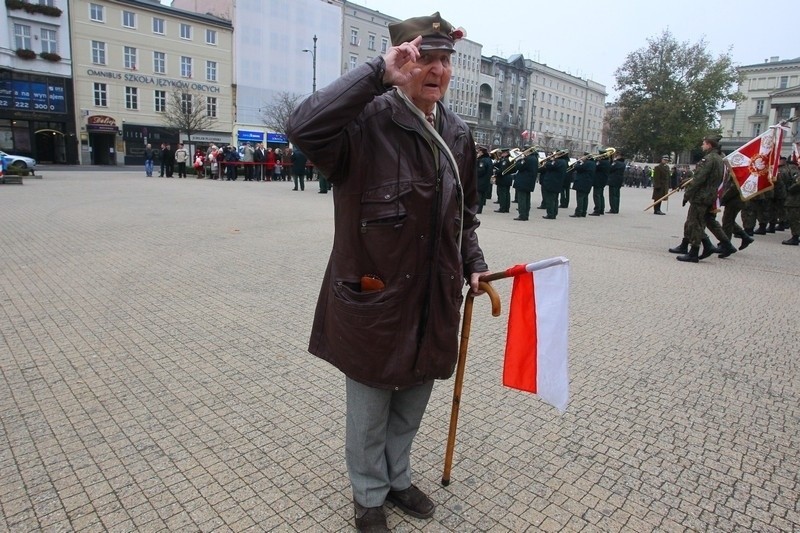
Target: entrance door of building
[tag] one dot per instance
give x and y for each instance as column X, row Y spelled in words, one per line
column 50, row 146
column 103, row 148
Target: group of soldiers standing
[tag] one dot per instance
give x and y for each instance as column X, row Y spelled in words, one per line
column 590, row 174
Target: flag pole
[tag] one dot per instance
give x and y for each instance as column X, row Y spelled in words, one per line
column 670, row 193
column 462, row 362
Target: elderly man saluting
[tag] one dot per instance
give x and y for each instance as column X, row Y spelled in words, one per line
column 404, row 175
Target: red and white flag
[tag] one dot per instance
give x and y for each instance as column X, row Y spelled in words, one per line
column 796, row 153
column 536, row 358
column 755, row 164
column 525, row 134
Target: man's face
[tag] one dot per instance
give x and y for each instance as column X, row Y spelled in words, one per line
column 430, row 85
column 706, row 146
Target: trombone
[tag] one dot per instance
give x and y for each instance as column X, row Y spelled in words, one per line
column 516, row 156
column 555, row 155
column 607, row 153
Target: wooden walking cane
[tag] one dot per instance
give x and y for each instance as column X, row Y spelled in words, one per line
column 462, row 361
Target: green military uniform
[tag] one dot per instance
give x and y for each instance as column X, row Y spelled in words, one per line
column 524, row 183
column 503, row 183
column 792, row 206
column 552, row 183
column 615, row 180
column 660, row 183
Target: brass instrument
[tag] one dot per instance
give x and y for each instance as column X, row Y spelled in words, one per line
column 555, row 155
column 515, row 156
column 607, row 153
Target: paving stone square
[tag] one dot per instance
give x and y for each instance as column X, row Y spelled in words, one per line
column 154, row 373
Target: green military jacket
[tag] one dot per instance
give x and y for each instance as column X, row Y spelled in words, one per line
column 706, row 180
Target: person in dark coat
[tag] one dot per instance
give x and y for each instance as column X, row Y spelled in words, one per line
column 525, row 183
column 584, row 179
column 405, row 197
column 503, row 183
column 599, row 185
column 552, row 182
column 299, row 161
column 660, row 183
column 616, row 178
column 484, row 175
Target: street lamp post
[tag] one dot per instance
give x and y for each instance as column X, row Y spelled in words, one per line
column 313, row 53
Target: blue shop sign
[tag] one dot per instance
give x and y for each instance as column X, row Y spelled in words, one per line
column 277, row 138
column 250, row 136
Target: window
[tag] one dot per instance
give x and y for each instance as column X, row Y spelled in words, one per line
column 160, row 101
column 158, row 26
column 129, row 19
column 211, row 37
column 131, row 98
column 384, row 45
column 354, row 36
column 756, row 129
column 50, row 3
column 100, row 95
column 211, row 70
column 784, row 82
column 98, row 52
column 49, row 41
column 211, row 106
column 759, row 107
column 129, row 57
column 186, row 67
column 22, row 36
column 159, row 62
column 371, row 42
column 353, row 62
column 186, row 103
column 186, row 31
column 96, row 13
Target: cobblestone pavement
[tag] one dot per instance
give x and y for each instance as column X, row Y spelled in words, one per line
column 155, row 374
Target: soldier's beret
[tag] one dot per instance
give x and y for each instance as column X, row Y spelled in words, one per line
column 437, row 33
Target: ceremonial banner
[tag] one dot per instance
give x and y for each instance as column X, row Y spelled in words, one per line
column 755, row 164
column 536, row 358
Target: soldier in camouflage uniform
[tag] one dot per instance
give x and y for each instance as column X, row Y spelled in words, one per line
column 782, row 180
column 792, row 206
column 701, row 193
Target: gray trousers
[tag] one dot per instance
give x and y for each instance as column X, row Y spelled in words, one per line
column 381, row 425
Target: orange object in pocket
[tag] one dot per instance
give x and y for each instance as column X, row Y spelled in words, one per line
column 371, row 282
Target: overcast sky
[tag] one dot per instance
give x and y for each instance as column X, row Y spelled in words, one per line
column 592, row 39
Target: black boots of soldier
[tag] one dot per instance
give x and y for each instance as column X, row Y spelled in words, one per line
column 682, row 248
column 747, row 240
column 708, row 248
column 726, row 249
column 762, row 230
column 692, row 256
column 794, row 240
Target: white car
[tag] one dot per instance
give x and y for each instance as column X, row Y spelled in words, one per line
column 18, row 161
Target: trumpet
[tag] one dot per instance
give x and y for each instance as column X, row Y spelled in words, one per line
column 515, row 156
column 555, row 155
column 607, row 153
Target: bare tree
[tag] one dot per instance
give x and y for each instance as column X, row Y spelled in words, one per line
column 188, row 112
column 276, row 114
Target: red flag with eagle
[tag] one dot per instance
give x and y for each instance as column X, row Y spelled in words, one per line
column 755, row 165
column 536, row 358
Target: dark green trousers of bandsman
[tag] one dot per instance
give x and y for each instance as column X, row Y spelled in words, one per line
column 563, row 201
column 504, row 198
column 613, row 199
column 599, row 200
column 793, row 217
column 524, row 204
column 550, row 200
column 581, row 203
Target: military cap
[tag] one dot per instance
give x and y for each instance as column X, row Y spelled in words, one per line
column 713, row 139
column 664, row 157
column 437, row 33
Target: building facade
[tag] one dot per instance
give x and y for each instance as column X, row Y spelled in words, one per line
column 37, row 117
column 131, row 59
column 275, row 54
column 771, row 93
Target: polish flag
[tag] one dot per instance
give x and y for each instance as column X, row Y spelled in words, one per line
column 525, row 134
column 536, row 358
column 755, row 164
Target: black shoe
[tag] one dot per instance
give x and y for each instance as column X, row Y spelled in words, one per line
column 708, row 248
column 682, row 248
column 691, row 257
column 326, row 192
column 659, row 213
column 794, row 240
column 549, row 217
column 294, row 189
column 747, row 240
column 595, row 214
column 501, row 211
column 575, row 216
column 762, row 230
column 370, row 519
column 749, row 232
column 412, row 501
column 541, row 207
column 520, row 218
column 727, row 249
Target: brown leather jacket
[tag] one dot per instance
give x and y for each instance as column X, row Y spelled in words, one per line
column 399, row 217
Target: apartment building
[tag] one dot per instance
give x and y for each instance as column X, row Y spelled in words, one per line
column 36, row 92
column 129, row 57
column 771, row 92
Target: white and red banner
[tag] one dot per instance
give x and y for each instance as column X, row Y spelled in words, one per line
column 536, row 358
column 755, row 165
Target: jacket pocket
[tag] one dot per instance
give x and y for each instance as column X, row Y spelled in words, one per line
column 382, row 207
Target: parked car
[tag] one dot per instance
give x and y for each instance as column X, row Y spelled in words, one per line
column 18, row 161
